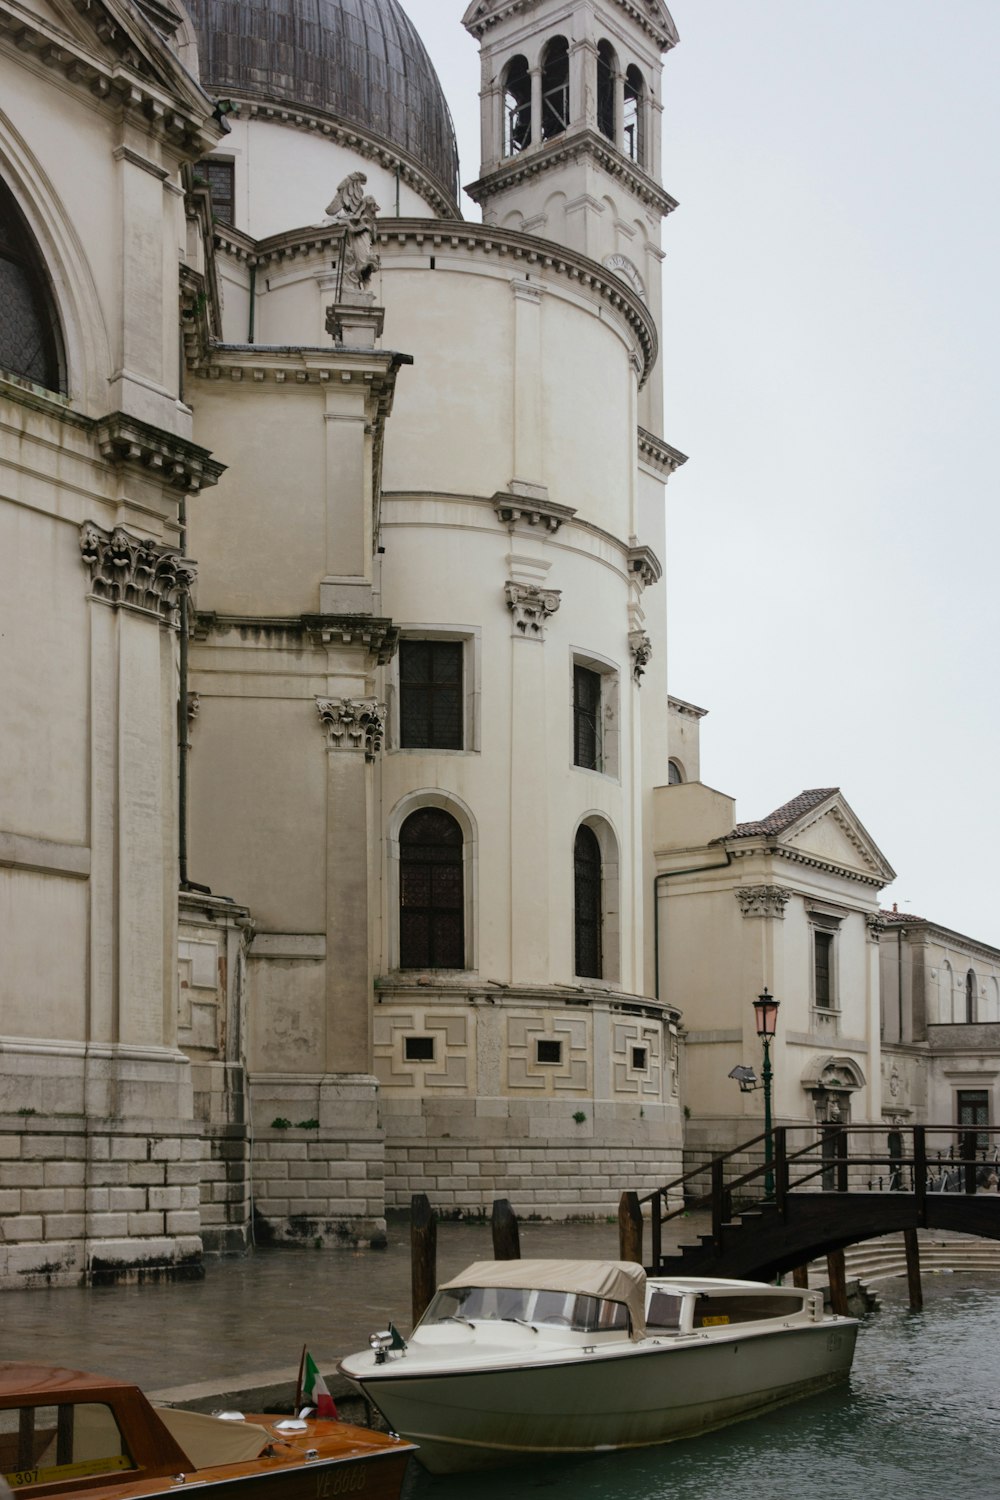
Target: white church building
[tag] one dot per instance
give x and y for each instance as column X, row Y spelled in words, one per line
column 333, row 626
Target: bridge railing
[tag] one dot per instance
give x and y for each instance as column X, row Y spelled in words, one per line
column 917, row 1159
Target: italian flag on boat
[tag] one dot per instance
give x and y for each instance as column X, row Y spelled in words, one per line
column 312, row 1391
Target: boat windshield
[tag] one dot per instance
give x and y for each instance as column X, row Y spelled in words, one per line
column 580, row 1313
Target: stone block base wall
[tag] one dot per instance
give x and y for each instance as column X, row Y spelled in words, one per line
column 226, row 1190
column 546, row 1162
column 85, row 1203
column 318, row 1173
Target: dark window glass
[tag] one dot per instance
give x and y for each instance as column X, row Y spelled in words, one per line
column 970, row 995
column 823, row 947
column 29, row 330
column 587, row 903
column 586, row 718
column 974, row 1109
column 639, row 1059
column 418, row 1049
column 555, row 88
column 549, row 1052
column 674, row 777
column 220, row 176
column 430, row 695
column 606, row 90
column 431, row 892
column 517, row 107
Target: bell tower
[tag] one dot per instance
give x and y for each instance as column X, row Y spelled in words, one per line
column 570, row 128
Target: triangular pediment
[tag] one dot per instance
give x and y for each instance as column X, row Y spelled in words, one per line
column 112, row 34
column 834, row 835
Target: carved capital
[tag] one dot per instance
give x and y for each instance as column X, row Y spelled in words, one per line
column 876, row 925
column 531, row 607
column 762, row 900
column 130, row 572
column 353, row 724
column 641, row 648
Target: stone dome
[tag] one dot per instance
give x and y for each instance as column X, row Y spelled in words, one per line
column 360, row 61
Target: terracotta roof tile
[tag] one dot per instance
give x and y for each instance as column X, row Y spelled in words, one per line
column 783, row 817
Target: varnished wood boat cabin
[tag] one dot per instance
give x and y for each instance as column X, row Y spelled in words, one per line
column 64, row 1432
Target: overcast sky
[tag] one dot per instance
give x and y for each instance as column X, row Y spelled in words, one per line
column 830, row 359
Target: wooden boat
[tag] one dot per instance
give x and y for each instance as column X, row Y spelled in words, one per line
column 517, row 1360
column 64, row 1432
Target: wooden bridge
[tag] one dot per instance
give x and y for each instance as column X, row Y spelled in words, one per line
column 810, row 1193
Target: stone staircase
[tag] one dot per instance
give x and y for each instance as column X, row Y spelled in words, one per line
column 880, row 1259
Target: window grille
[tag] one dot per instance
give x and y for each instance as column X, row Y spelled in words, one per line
column 586, row 718
column 431, row 695
column 587, row 903
column 431, row 892
column 221, row 178
column 823, row 950
column 29, row 330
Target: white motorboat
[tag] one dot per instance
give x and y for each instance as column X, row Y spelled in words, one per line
column 522, row 1359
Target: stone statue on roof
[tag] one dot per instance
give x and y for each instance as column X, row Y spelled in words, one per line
column 357, row 211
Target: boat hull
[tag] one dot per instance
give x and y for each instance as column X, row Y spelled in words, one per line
column 472, row 1419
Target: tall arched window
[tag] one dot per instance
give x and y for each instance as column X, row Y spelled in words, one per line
column 29, row 331
column 431, row 892
column 607, row 66
column 516, row 107
column 970, row 995
column 555, row 88
column 587, row 904
column 635, row 144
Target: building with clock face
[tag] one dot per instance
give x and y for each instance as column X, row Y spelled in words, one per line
column 336, row 523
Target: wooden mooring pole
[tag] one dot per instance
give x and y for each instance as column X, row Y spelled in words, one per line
column 916, row 1291
column 423, row 1254
column 630, row 1229
column 838, row 1282
column 800, row 1276
column 503, row 1222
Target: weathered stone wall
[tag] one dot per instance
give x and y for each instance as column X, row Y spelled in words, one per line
column 89, row 1203
column 316, row 1187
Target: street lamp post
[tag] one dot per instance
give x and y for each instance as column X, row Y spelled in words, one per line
column 766, row 1009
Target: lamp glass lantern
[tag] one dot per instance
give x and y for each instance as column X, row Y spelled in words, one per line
column 766, row 1010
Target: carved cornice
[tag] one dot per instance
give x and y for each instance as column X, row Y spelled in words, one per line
column 544, row 514
column 378, row 636
column 659, row 454
column 516, row 170
column 744, row 849
column 656, row 21
column 353, row 137
column 124, row 440
column 641, row 648
column 531, row 607
column 686, row 710
column 135, row 573
column 762, row 900
column 531, row 251
column 645, row 565
column 353, row 724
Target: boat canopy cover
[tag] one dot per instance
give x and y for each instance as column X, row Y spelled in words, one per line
column 615, row 1280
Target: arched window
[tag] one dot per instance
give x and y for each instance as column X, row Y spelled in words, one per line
column 635, row 144
column 431, row 892
column 555, row 88
column 607, row 66
column 29, row 330
column 517, row 107
column 970, row 995
column 587, row 904
column 675, row 776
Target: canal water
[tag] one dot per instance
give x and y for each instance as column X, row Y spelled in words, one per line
column 918, row 1421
